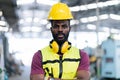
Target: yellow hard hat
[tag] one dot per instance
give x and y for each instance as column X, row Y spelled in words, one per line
column 60, row 11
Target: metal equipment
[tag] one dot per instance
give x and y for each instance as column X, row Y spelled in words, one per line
column 1, row 60
column 110, row 67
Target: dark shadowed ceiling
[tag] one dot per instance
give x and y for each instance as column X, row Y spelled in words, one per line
column 9, row 11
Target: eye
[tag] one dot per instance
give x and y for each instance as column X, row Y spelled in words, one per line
column 55, row 26
column 64, row 26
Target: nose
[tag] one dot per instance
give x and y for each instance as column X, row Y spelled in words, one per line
column 60, row 28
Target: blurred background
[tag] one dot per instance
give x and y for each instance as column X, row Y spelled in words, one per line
column 24, row 29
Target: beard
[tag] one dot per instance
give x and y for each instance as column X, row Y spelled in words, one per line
column 58, row 40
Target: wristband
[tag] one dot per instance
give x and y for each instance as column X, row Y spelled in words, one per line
column 47, row 78
column 51, row 79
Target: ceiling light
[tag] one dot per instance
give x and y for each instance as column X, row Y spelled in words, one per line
column 73, row 22
column 93, row 18
column 36, row 19
column 75, row 8
column 100, row 4
column 83, row 7
column 112, row 2
column 21, row 21
column 91, row 26
column 84, row 20
column 115, row 17
column 2, row 23
column 32, row 29
column 25, row 29
column 3, row 28
column 43, row 21
column 29, row 19
column 104, row 16
column 115, row 31
column 47, row 2
column 106, row 29
column 36, row 29
column 23, row 2
column 1, row 13
column 92, row 6
column 95, row 5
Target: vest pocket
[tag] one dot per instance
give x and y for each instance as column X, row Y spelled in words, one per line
column 67, row 76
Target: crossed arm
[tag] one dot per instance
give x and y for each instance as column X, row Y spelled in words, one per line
column 81, row 75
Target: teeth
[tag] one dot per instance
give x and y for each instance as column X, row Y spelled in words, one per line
column 60, row 35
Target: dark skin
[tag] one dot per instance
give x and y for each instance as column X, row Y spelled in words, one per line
column 60, row 30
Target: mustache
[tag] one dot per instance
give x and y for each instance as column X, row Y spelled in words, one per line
column 60, row 33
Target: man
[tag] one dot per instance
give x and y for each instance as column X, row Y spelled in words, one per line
column 60, row 60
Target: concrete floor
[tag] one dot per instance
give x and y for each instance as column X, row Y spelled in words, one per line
column 24, row 76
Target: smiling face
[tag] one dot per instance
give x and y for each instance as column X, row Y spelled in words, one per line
column 60, row 30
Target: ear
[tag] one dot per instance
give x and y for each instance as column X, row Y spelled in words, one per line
column 69, row 28
column 51, row 29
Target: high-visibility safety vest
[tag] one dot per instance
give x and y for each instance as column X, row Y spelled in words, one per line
column 63, row 67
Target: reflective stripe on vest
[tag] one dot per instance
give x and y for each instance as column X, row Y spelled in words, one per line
column 64, row 67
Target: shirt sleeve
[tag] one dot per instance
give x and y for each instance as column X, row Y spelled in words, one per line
column 36, row 65
column 84, row 61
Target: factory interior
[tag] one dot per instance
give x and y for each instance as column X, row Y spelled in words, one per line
column 24, row 29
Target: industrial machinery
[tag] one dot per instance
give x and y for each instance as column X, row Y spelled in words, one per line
column 3, row 52
column 110, row 67
column 1, row 60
